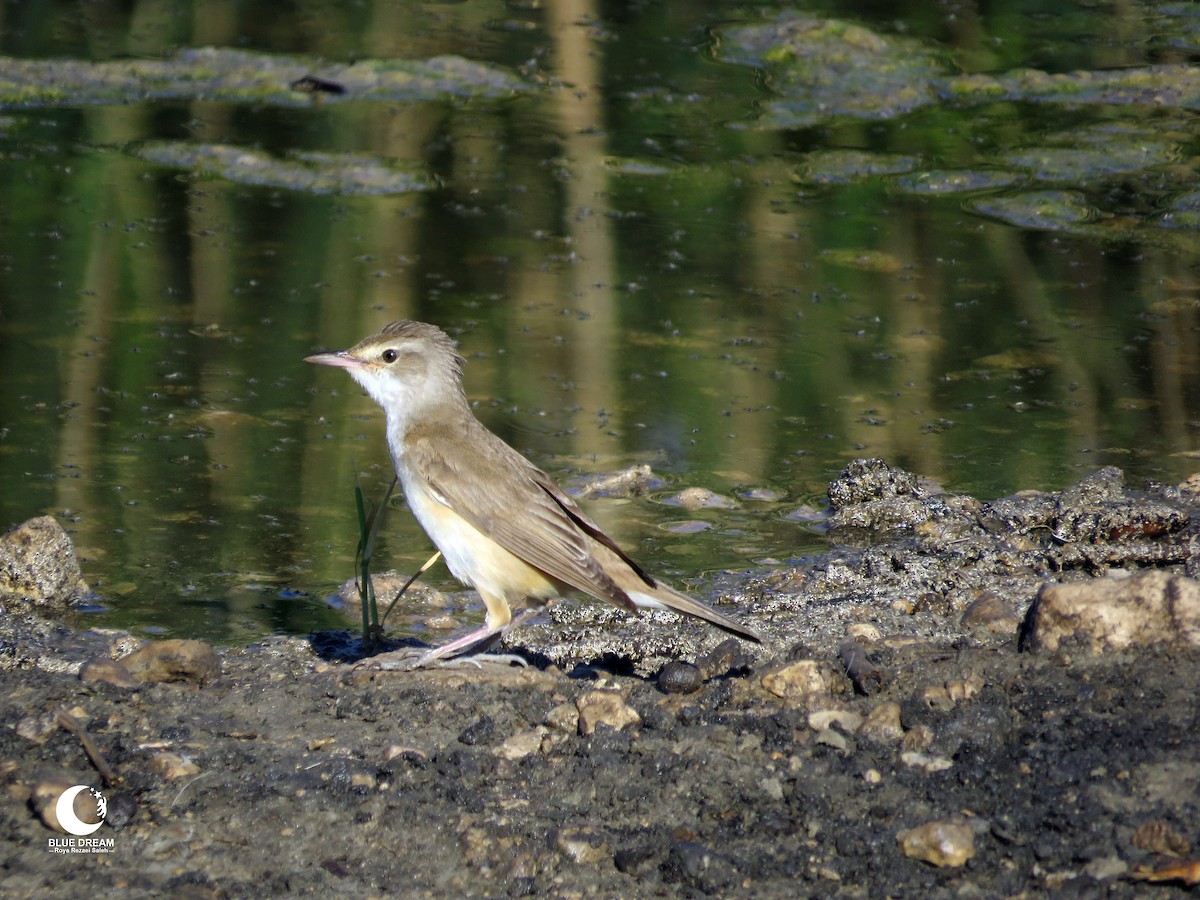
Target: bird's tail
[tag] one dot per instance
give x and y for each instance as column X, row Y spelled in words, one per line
column 663, row 597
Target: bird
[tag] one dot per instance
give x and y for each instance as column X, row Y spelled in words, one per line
column 504, row 527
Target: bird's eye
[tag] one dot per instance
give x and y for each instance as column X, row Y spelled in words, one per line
column 389, row 355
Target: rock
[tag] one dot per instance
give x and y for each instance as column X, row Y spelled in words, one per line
column 694, row 498
column 991, row 612
column 1149, row 609
column 863, row 632
column 947, row 696
column 806, row 680
column 521, row 744
column 867, row 480
column 173, row 660
column 1105, row 868
column 636, row 481
column 38, row 564
column 38, row 728
column 917, row 739
column 582, row 844
column 170, row 766
column 109, row 671
column 882, row 724
column 729, row 654
column 945, row 843
column 564, row 717
column 607, row 708
column 925, row 762
column 679, row 677
column 847, row 720
column 1157, row 836
column 44, row 800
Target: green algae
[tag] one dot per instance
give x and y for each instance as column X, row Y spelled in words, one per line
column 211, row 73
column 318, row 173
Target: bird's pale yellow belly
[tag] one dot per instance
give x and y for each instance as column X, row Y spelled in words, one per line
column 475, row 559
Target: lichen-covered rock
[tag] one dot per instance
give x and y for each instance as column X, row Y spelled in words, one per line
column 38, row 565
column 1150, row 609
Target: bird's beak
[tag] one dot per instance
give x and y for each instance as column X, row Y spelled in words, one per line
column 340, row 358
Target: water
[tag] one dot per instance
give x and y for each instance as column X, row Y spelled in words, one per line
column 637, row 271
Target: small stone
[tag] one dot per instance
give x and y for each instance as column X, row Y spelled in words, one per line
column 170, row 766
column 174, row 660
column 398, row 751
column 694, row 498
column 607, row 708
column 772, row 787
column 1146, row 610
column 847, row 720
column 803, row 680
column 109, row 671
column 1105, row 868
column 863, row 632
column 679, row 677
column 925, row 762
column 872, row 776
column 991, row 612
column 831, row 737
column 945, row 843
column 882, row 724
column 521, row 744
column 38, row 728
column 1157, row 836
column 564, row 717
column 917, row 739
column 727, row 655
column 583, row 845
column 44, row 800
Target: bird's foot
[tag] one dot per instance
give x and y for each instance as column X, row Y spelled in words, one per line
column 412, row 658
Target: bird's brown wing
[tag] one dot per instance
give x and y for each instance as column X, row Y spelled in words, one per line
column 529, row 516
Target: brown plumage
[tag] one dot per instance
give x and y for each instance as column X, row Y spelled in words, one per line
column 503, row 526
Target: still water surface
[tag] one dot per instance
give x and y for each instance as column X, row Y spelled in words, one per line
column 638, row 270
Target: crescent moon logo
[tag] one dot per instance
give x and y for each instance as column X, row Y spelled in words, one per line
column 65, row 810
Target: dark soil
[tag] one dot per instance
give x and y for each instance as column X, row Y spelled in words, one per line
column 1075, row 771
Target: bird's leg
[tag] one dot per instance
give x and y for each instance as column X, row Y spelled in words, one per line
column 460, row 651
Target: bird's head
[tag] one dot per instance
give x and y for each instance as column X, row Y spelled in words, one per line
column 406, row 367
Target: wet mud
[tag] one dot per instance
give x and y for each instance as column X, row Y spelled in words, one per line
column 960, row 698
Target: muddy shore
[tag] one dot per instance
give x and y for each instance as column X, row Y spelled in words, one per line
column 960, row 698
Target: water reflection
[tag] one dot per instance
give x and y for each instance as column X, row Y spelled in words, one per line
column 634, row 276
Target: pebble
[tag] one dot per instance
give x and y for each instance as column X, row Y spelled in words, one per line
column 863, row 632
column 564, row 717
column 44, row 800
column 679, row 677
column 925, row 762
column 38, row 728
column 847, row 720
column 694, row 498
column 1146, row 610
column 805, row 679
column 170, row 766
column 584, row 845
column 174, row 660
column 882, row 724
column 947, row 843
column 992, row 613
column 1157, row 836
column 604, row 708
column 109, row 671
column 522, row 744
column 917, row 739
